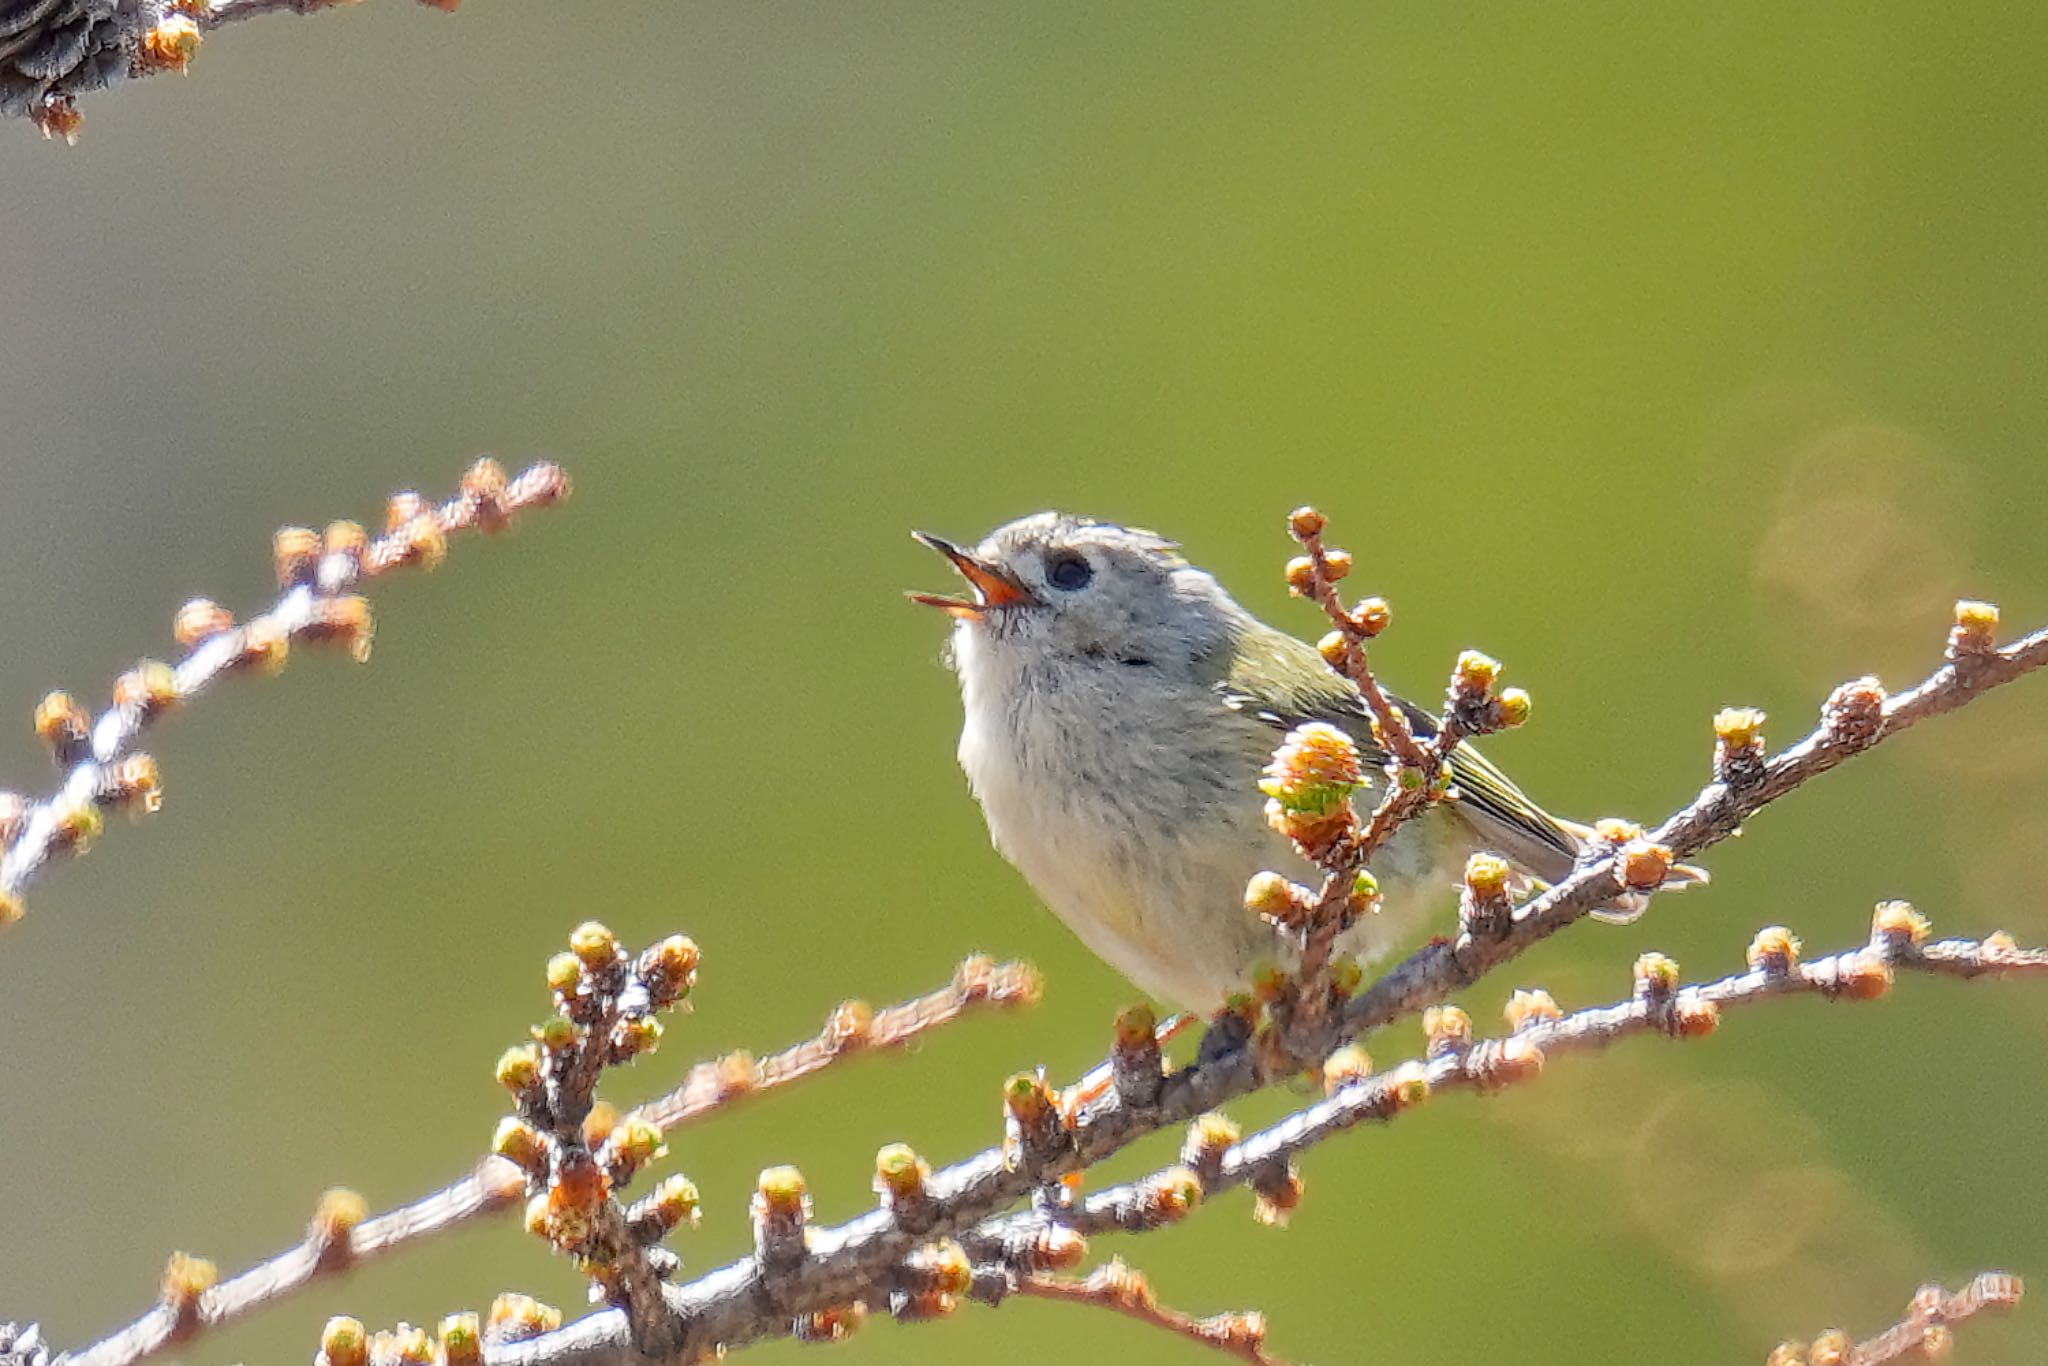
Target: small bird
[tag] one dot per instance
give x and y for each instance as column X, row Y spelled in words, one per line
column 1119, row 707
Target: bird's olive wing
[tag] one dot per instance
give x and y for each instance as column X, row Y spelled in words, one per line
column 1284, row 683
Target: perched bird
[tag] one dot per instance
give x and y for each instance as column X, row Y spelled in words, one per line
column 1119, row 706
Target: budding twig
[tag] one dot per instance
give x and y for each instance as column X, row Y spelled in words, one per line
column 1924, row 1334
column 497, row 1184
column 102, row 769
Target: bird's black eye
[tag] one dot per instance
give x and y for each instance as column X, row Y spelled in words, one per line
column 1069, row 572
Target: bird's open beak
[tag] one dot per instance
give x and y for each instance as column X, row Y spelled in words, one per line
column 993, row 587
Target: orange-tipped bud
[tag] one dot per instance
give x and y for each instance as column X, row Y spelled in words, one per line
column 1240, row 1332
column 345, row 538
column 63, row 725
column 632, row 1145
column 519, row 1067
column 335, row 1219
column 841, row 1321
column 1976, row 629
column 1315, row 769
column 1349, row 1064
column 347, row 621
column 900, row 1174
column 1336, row 564
column 1372, row 616
column 516, row 1318
column 1335, row 648
column 1865, row 977
column 669, row 969
column 635, row 1035
column 185, row 1279
column 1476, row 673
column 1831, row 1348
column 150, row 687
column 295, row 553
column 673, row 1202
column 1172, row 1194
column 941, row 1267
column 1301, row 576
column 1408, row 1086
column 1775, row 949
column 1447, row 1028
column 58, row 117
column 1304, row 522
column 1739, row 728
column 1209, row 1136
column 265, row 646
column 1513, row 707
column 520, row 1144
column 1486, row 876
column 1899, row 925
column 1694, row 1016
column 781, row 1192
column 1278, row 1196
column 169, row 45
column 461, row 1341
column 594, row 945
column 1137, row 1026
column 1531, row 1007
column 200, row 619
column 344, row 1342
column 1656, row 976
column 1027, row 1098
column 1644, row 865
column 136, row 784
column 565, row 974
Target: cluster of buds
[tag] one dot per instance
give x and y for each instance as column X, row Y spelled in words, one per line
column 168, row 45
column 1472, row 703
column 459, row 1342
column 1308, row 786
column 574, row 1152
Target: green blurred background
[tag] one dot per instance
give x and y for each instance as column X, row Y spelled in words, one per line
column 1679, row 360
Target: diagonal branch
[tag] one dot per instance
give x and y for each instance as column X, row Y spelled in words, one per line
column 496, row 1184
column 747, row 1300
column 316, row 573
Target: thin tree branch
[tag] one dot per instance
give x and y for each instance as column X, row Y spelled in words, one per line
column 1926, row 1333
column 102, row 767
column 1116, row 1287
column 496, row 1184
column 746, row 1300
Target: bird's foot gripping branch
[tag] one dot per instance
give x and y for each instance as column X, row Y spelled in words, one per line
column 1015, row 1218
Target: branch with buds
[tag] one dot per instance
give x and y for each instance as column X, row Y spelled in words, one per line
column 52, row 54
column 1012, row 1219
column 317, row 575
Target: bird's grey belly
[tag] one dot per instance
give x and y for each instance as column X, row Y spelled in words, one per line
column 1148, row 868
